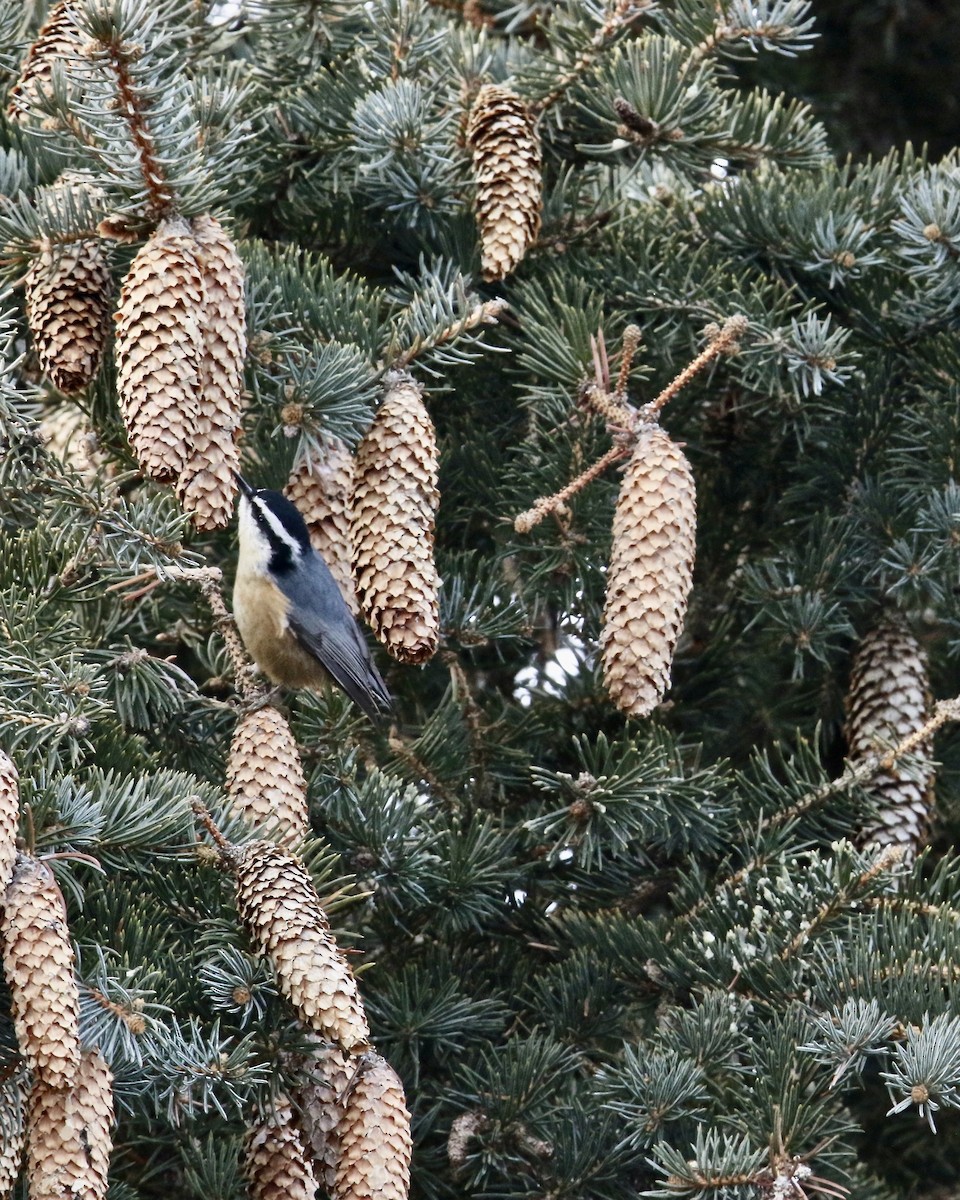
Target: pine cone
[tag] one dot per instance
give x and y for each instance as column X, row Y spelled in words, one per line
column 275, row 1163
column 374, row 1137
column 58, row 38
column 206, row 487
column 68, row 291
column 502, row 134
column 280, row 907
column 159, row 350
column 12, row 1104
column 265, row 781
column 651, row 570
column 321, row 489
column 38, row 964
column 9, row 820
column 394, row 506
column 69, row 1135
column 887, row 701
column 326, row 1074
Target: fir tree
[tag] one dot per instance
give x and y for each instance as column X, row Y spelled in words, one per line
column 606, row 952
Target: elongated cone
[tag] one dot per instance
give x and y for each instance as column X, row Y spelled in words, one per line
column 888, row 700
column 502, row 134
column 321, row 489
column 375, row 1140
column 394, row 508
column 38, row 965
column 58, row 39
column 159, row 350
column 281, row 910
column 12, row 1133
column 67, row 291
column 69, row 1135
column 206, row 486
column 9, row 819
column 326, row 1072
column 651, row 570
column 265, row 781
column 275, row 1162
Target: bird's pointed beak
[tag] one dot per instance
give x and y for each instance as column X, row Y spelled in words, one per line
column 242, row 484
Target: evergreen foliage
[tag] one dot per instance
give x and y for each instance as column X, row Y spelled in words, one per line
column 607, row 957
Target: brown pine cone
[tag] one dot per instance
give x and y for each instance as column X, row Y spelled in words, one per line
column 58, row 39
column 375, row 1140
column 67, row 290
column 206, row 487
column 888, row 700
column 321, row 489
column 9, row 819
column 12, row 1133
column 265, row 781
column 69, row 1135
column 502, row 134
column 394, row 508
column 160, row 349
column 281, row 910
column 651, row 570
column 275, row 1163
column 320, row 1097
column 38, row 965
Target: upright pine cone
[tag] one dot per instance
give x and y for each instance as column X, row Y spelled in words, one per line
column 375, row 1141
column 38, row 964
column 394, row 507
column 265, row 781
column 325, row 1073
column 887, row 701
column 68, row 302
column 69, row 1134
column 160, row 349
column 281, row 910
column 9, row 819
column 502, row 134
column 58, row 39
column 321, row 488
column 206, row 486
column 275, row 1163
column 651, row 570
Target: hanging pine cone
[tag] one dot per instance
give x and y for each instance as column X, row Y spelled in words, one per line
column 281, row 910
column 12, row 1105
column 394, row 507
column 265, row 781
column 325, row 1074
column 502, row 135
column 651, row 570
column 159, row 350
column 275, row 1163
column 58, row 39
column 68, row 302
column 9, row 820
column 321, row 488
column 206, row 486
column 888, row 700
column 38, row 965
column 69, row 1137
column 375, row 1144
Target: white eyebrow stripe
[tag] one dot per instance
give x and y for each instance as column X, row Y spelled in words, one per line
column 279, row 531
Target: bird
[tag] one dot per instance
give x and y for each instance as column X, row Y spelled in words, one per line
column 289, row 610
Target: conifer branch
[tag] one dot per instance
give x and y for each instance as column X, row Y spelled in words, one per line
column 722, row 339
column 624, row 13
column 487, row 313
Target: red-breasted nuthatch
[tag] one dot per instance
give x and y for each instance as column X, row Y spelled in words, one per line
column 290, row 612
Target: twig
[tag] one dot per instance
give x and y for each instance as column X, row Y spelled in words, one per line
column 487, row 313
column 549, row 504
column 630, row 342
column 208, row 579
column 226, row 848
column 625, row 12
column 721, row 339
